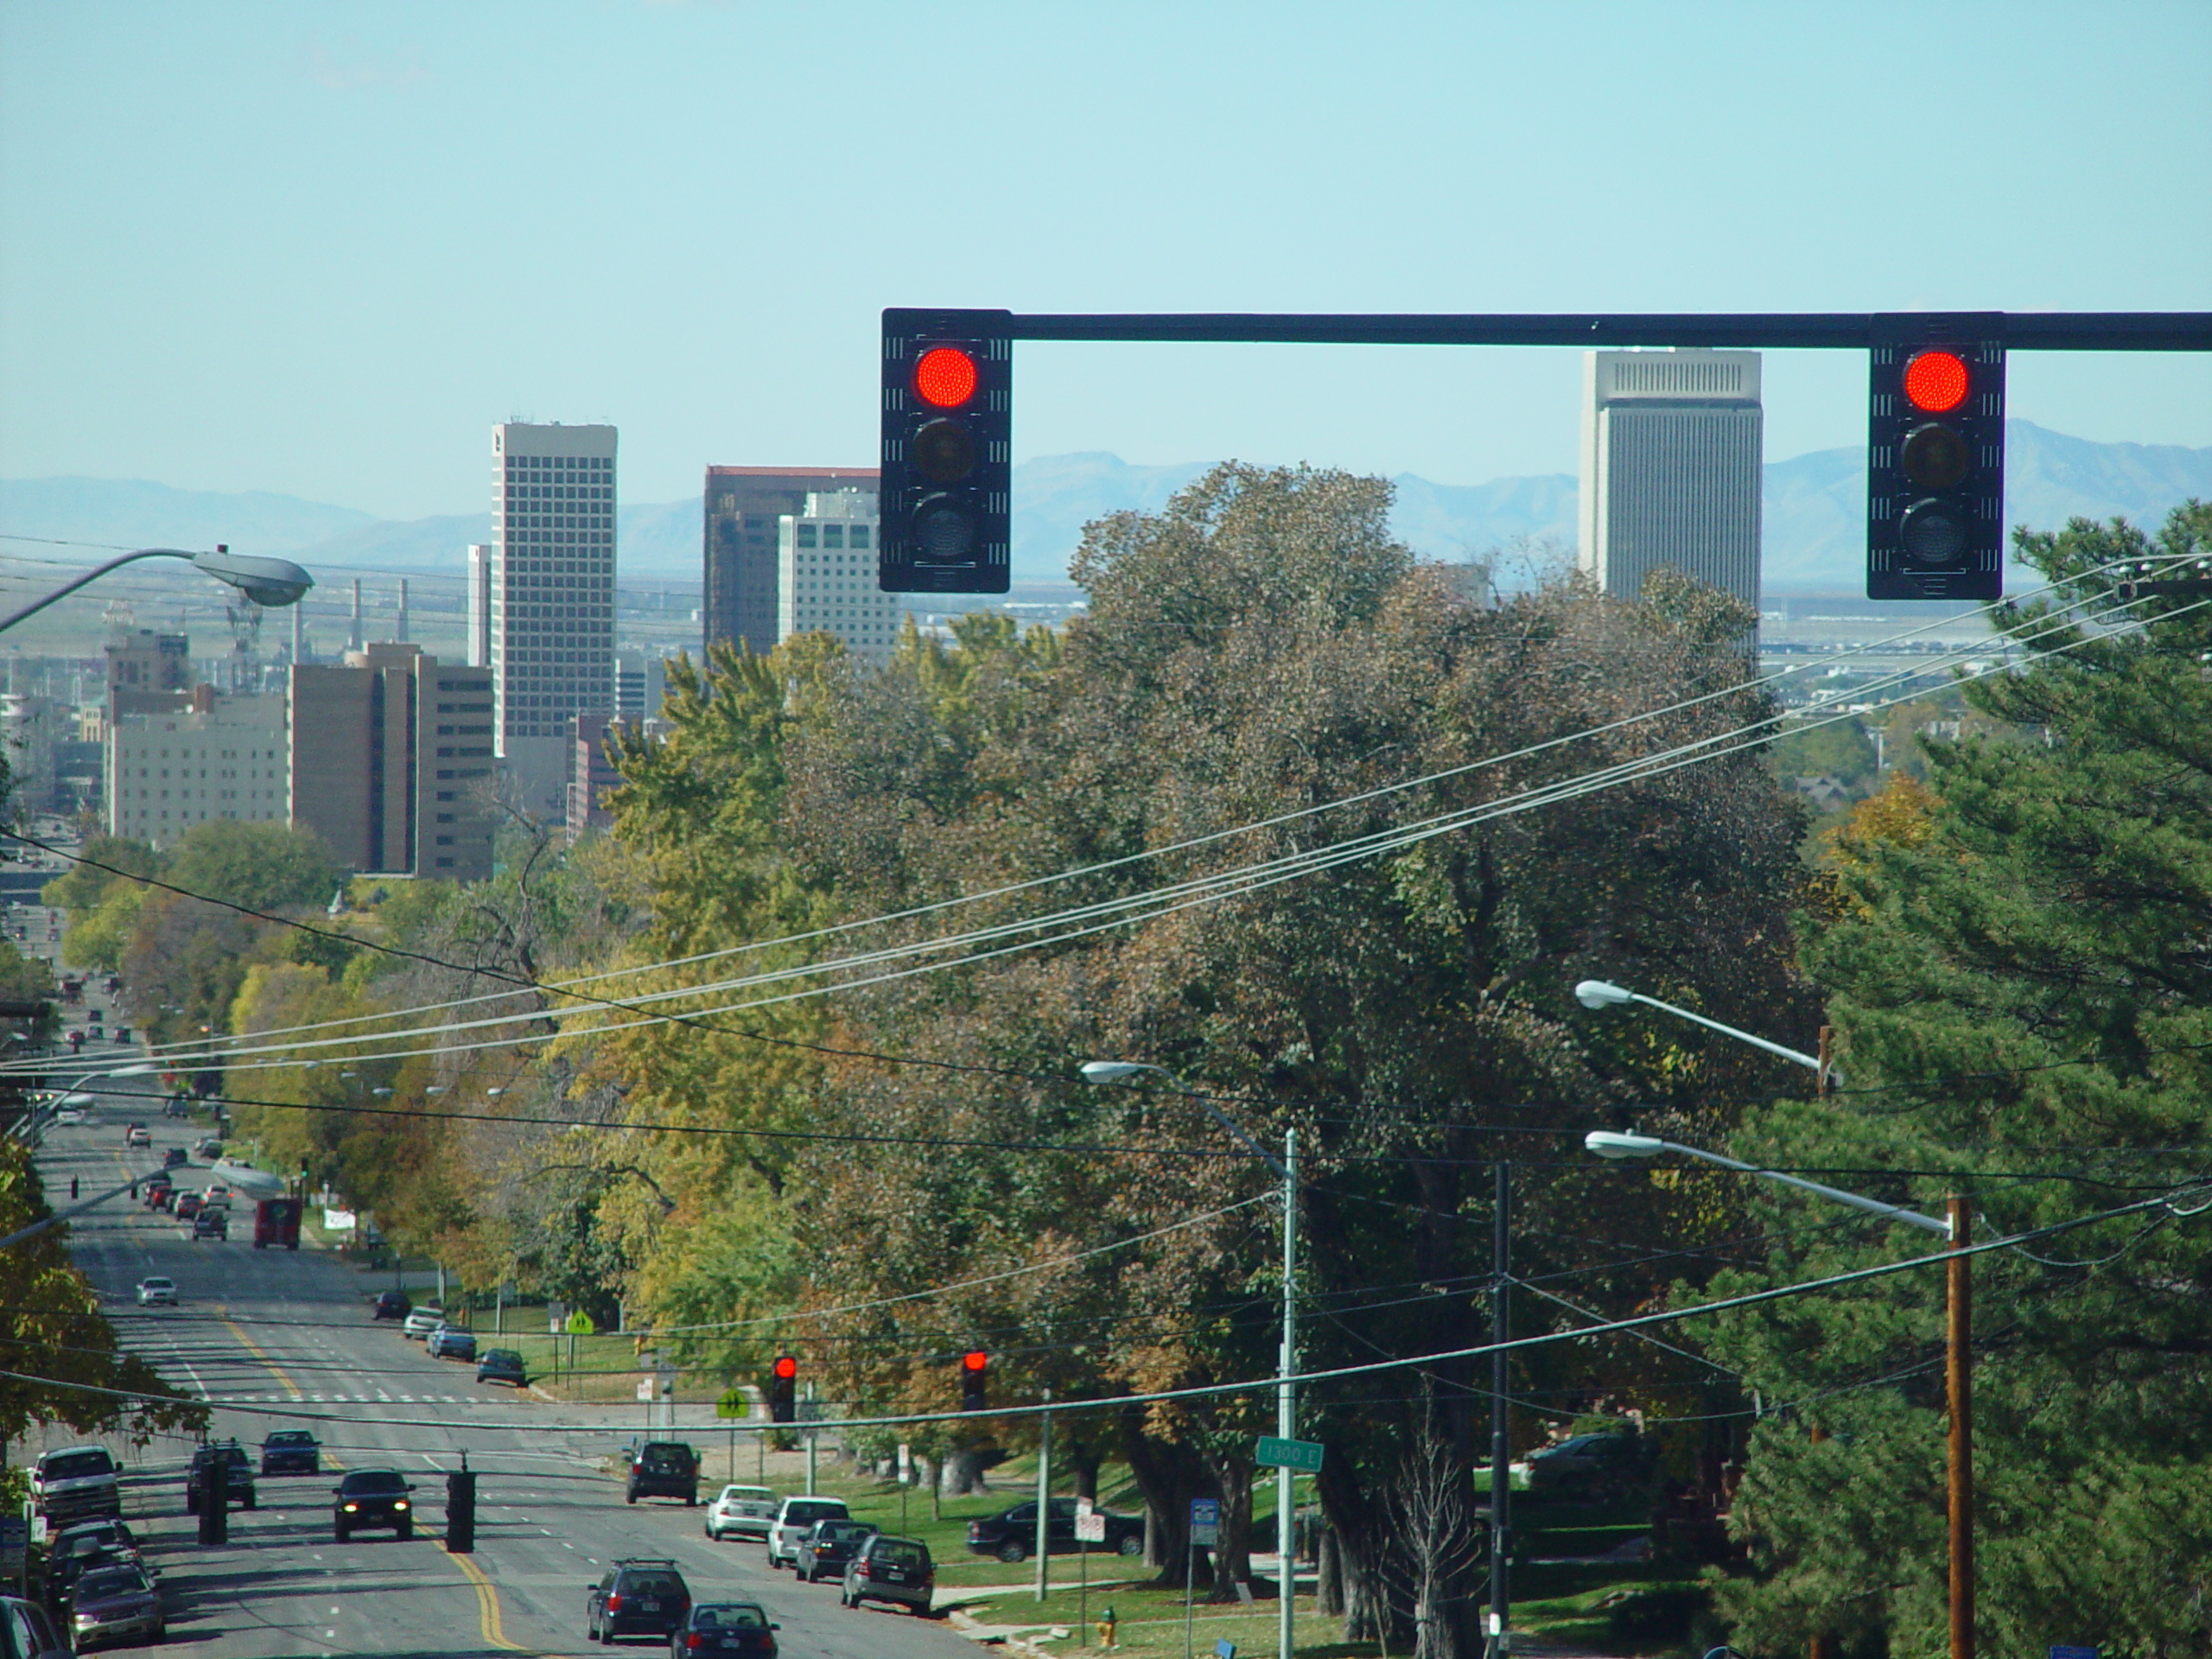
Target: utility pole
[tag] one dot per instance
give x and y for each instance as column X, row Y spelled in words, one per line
column 1500, row 1453
column 808, row 1432
column 1044, row 1499
column 1287, row 1403
column 1958, row 1378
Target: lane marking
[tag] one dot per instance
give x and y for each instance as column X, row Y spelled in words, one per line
column 487, row 1604
column 223, row 1312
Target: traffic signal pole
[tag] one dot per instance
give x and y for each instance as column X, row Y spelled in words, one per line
column 1501, row 1447
column 1286, row 1407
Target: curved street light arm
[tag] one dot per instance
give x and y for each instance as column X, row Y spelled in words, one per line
column 92, row 574
column 1872, row 1207
column 1122, row 1070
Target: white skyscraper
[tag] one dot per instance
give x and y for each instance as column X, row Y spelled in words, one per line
column 551, row 597
column 1672, row 443
column 825, row 560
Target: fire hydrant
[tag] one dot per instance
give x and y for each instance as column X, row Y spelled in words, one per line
column 1106, row 1623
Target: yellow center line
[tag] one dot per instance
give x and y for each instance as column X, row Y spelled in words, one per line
column 258, row 1352
column 488, row 1604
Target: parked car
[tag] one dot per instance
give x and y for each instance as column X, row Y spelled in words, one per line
column 238, row 1475
column 210, row 1223
column 792, row 1520
column 209, row 1147
column 291, row 1451
column 663, row 1469
column 1591, row 1466
column 157, row 1291
column 75, row 1550
column 111, row 1603
column 391, row 1304
column 76, row 1483
column 371, row 1498
column 741, row 1512
column 451, row 1342
column 502, row 1365
column 827, row 1546
column 27, row 1633
column 177, row 1106
column 1011, row 1535
column 638, row 1596
column 739, row 1627
column 137, row 1136
column 422, row 1320
column 892, row 1569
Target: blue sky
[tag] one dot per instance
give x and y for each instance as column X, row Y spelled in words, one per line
column 317, row 249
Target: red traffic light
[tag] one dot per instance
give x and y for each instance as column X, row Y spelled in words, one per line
column 786, row 1367
column 1935, row 382
column 945, row 377
column 974, row 1362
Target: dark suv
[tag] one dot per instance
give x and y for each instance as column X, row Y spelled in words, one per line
column 663, row 1469
column 291, row 1451
column 827, row 1547
column 891, row 1569
column 238, row 1468
column 371, row 1498
column 391, row 1304
column 1011, row 1535
column 640, row 1597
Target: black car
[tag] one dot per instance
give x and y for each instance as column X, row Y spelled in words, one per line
column 638, row 1596
column 827, row 1547
column 392, row 1305
column 111, row 1602
column 891, row 1569
column 371, row 1498
column 502, row 1365
column 1593, row 1467
column 739, row 1627
column 1011, row 1535
column 663, row 1469
column 211, row 1223
column 175, row 1157
column 291, row 1451
column 89, row 1543
column 238, row 1469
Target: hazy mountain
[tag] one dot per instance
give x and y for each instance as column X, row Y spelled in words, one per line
column 1814, row 506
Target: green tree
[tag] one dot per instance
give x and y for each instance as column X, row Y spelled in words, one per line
column 2020, row 971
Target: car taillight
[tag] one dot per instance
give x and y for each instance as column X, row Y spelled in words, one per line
column 614, row 1601
column 693, row 1641
column 862, row 1568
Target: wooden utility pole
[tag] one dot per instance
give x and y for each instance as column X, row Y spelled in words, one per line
column 1958, row 1378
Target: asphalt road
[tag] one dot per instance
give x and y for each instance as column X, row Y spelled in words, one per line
column 282, row 1340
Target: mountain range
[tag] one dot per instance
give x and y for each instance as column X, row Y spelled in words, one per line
column 1815, row 507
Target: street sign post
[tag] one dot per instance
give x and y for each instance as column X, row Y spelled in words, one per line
column 1272, row 1453
column 1205, row 1529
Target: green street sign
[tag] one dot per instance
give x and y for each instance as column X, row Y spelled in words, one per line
column 1302, row 1455
column 736, row 1403
column 579, row 1324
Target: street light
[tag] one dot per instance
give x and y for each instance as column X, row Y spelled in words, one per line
column 1110, row 1072
column 265, row 581
column 1958, row 1349
column 1602, row 993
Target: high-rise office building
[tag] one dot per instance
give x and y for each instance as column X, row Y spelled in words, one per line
column 551, row 598
column 826, row 571
column 479, row 604
column 207, row 758
column 743, row 506
column 1672, row 444
column 391, row 755
column 641, row 683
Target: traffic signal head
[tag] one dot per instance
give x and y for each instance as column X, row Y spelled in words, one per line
column 975, row 1370
column 947, row 462
column 1935, row 459
column 783, row 1390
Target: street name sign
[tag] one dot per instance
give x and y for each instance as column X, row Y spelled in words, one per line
column 1302, row 1455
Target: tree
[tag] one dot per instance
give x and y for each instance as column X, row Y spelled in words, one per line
column 2018, row 969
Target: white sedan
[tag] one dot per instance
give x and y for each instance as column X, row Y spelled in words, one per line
column 741, row 1512
column 151, row 1291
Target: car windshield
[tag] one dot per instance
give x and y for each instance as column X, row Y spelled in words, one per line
column 160, row 1284
column 729, row 1617
column 502, row 1356
column 291, row 1437
column 110, row 1581
column 834, row 1529
column 666, row 1457
column 801, row 1515
column 75, row 1465
column 375, row 1480
column 899, row 1553
column 653, row 1583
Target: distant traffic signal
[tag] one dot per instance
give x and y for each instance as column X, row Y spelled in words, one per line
column 947, row 483
column 783, row 1390
column 1935, row 458
column 974, row 1373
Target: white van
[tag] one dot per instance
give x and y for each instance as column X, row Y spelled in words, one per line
column 792, row 1520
